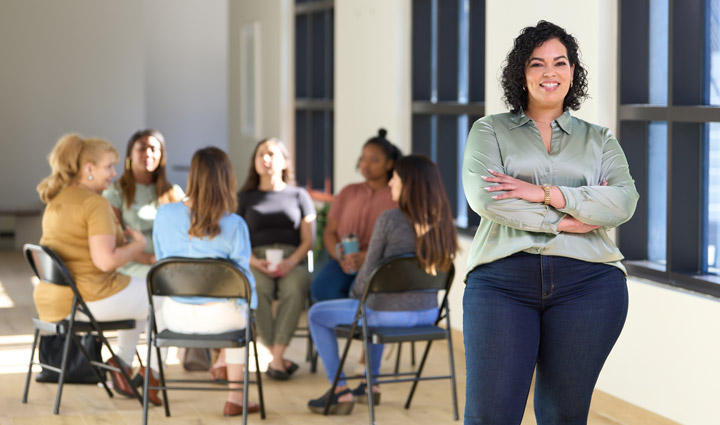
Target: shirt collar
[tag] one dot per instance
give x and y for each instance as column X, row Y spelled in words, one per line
column 564, row 121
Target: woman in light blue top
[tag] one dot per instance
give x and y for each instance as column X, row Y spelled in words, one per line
column 143, row 186
column 546, row 291
column 204, row 225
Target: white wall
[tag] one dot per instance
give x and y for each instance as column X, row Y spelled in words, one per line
column 186, row 77
column 106, row 69
column 275, row 90
column 71, row 66
column 372, row 79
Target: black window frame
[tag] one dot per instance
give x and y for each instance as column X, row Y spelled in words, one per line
column 448, row 83
column 314, row 94
column 686, row 116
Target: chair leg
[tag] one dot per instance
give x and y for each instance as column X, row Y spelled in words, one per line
column 63, row 367
column 258, row 374
column 146, row 381
column 32, row 359
column 452, row 375
column 397, row 358
column 368, row 373
column 95, row 369
column 339, row 369
column 417, row 375
column 412, row 353
column 161, row 372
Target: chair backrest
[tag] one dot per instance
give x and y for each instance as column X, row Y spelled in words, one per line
column 197, row 277
column 401, row 273
column 47, row 265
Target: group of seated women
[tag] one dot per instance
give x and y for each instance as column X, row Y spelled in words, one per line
column 110, row 233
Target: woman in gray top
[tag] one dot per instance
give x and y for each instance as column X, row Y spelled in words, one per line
column 422, row 225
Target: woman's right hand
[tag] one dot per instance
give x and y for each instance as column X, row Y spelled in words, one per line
column 135, row 236
column 262, row 265
column 571, row 224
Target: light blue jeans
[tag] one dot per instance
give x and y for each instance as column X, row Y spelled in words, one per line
column 325, row 315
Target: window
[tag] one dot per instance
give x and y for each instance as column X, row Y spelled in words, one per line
column 669, row 127
column 314, row 93
column 448, row 88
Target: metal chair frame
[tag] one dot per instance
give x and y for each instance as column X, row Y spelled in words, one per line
column 395, row 274
column 205, row 277
column 49, row 267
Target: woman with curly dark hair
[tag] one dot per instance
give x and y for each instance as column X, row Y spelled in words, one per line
column 546, row 291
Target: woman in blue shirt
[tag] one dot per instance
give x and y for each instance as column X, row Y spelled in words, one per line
column 204, row 225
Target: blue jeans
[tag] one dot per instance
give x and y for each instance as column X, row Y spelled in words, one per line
column 331, row 282
column 555, row 315
column 324, row 316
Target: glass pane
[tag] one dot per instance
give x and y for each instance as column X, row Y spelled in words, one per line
column 713, row 52
column 657, row 191
column 713, row 200
column 658, row 66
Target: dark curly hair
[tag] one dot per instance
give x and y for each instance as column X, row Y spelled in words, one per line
column 391, row 151
column 513, row 74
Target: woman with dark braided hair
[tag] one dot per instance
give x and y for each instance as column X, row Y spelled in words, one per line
column 546, row 292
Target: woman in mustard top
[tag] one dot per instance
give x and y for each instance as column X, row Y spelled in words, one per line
column 546, row 291
column 81, row 227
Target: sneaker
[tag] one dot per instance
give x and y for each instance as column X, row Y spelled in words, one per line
column 336, row 408
column 361, row 395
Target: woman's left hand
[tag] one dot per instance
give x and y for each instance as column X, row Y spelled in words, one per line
column 514, row 188
column 285, row 266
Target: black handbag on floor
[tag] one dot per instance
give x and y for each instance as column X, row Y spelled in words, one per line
column 78, row 370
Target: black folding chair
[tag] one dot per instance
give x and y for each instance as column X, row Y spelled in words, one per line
column 48, row 267
column 199, row 277
column 401, row 273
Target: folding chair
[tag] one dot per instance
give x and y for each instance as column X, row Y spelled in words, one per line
column 48, row 267
column 199, row 277
column 401, row 273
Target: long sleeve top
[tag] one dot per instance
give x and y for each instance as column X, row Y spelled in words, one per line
column 392, row 235
column 582, row 156
column 171, row 239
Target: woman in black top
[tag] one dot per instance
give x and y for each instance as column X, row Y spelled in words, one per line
column 280, row 217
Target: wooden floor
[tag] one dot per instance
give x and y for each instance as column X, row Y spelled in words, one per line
column 285, row 401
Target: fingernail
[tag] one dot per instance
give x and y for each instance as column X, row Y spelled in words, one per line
column 494, row 197
column 487, row 188
column 484, row 177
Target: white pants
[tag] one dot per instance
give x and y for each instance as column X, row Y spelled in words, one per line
column 130, row 303
column 212, row 318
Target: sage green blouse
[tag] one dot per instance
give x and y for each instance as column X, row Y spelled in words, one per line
column 582, row 155
column 139, row 216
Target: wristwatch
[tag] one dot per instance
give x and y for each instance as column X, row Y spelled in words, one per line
column 546, row 188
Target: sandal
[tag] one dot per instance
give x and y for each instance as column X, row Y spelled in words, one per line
column 336, row 408
column 361, row 395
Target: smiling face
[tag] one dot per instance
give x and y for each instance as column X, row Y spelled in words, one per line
column 145, row 155
column 548, row 75
column 103, row 172
column 269, row 160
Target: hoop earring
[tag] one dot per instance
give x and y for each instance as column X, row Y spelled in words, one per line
column 571, row 83
column 524, row 88
column 128, row 162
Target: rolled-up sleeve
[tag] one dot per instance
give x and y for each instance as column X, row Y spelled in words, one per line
column 482, row 153
column 610, row 205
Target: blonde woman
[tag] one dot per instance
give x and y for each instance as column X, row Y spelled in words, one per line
column 80, row 226
column 205, row 225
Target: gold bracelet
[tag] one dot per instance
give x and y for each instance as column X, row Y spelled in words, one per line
column 546, row 188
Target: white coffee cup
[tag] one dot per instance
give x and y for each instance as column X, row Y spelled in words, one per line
column 274, row 257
